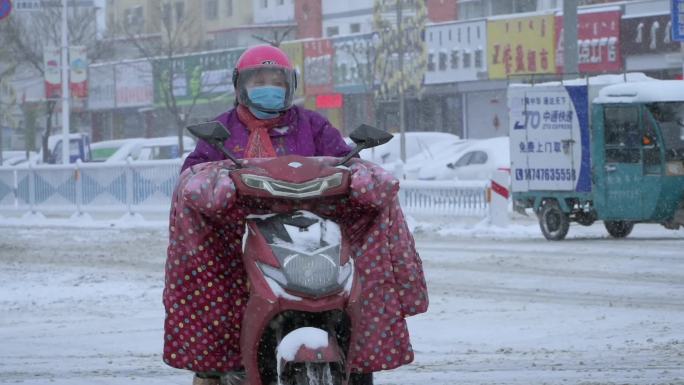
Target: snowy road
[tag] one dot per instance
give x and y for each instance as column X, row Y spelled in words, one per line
column 82, row 306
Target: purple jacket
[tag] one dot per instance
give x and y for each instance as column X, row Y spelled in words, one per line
column 308, row 134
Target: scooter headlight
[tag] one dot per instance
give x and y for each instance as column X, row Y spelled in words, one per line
column 292, row 190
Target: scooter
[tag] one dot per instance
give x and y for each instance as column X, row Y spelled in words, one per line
column 304, row 296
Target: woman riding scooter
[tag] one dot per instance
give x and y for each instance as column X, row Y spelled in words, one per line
column 202, row 326
column 265, row 123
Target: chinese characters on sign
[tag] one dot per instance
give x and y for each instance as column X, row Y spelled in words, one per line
column 521, row 46
column 598, row 42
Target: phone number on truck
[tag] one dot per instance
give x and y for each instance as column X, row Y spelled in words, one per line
column 552, row 174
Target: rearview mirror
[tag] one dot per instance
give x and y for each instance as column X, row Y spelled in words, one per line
column 213, row 131
column 369, row 136
column 451, row 166
column 366, row 136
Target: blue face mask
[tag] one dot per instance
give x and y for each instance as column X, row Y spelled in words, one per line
column 271, row 97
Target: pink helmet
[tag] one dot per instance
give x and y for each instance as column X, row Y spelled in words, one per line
column 260, row 59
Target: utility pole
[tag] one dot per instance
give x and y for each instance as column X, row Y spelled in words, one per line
column 65, row 85
column 400, row 50
column 570, row 66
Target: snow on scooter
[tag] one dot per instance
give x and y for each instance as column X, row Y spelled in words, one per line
column 304, row 300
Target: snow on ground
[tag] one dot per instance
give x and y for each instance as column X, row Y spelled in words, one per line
column 82, row 305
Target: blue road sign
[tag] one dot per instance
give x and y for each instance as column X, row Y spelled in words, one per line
column 677, row 19
column 5, row 8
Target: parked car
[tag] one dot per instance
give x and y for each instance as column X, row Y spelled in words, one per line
column 116, row 150
column 416, row 142
column 15, row 158
column 79, row 148
column 164, row 148
column 437, row 154
column 475, row 161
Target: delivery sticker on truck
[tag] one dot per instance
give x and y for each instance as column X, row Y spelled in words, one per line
column 549, row 137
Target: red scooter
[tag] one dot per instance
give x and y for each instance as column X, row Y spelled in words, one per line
column 304, row 298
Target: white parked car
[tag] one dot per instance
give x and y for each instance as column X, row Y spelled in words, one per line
column 438, row 154
column 416, row 142
column 475, row 161
column 164, row 148
column 15, row 158
column 116, row 150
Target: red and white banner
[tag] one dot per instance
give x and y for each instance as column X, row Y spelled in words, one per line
column 598, row 42
column 53, row 75
column 78, row 63
column 78, row 66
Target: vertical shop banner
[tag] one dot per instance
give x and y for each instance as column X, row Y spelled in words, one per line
column 295, row 51
column 134, row 84
column 318, row 77
column 197, row 78
column 677, row 10
column 101, row 91
column 643, row 35
column 521, row 46
column 353, row 56
column 78, row 72
column 53, row 75
column 598, row 42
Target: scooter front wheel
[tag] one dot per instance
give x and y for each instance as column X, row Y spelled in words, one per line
column 315, row 373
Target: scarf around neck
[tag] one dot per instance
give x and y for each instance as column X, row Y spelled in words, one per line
column 259, row 144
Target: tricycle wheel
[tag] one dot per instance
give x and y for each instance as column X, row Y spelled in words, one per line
column 553, row 221
column 619, row 229
column 585, row 219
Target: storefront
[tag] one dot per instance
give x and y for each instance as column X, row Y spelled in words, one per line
column 647, row 44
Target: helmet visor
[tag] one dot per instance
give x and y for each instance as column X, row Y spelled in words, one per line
column 251, row 79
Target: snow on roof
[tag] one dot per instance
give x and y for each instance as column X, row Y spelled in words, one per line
column 643, row 92
column 593, row 80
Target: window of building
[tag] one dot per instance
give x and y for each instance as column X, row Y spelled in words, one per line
column 229, row 8
column 467, row 58
column 502, row 7
column 166, row 14
column 431, row 62
column 180, row 11
column 281, row 2
column 264, row 3
column 470, row 9
column 524, row 6
column 455, row 59
column 355, row 28
column 211, row 9
column 479, row 58
column 332, row 31
column 443, row 59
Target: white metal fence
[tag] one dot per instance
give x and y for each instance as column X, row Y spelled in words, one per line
column 146, row 187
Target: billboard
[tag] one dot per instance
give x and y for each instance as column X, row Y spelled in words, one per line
column 101, row 89
column 643, row 35
column 456, row 52
column 598, row 42
column 353, row 56
column 196, row 78
column 318, row 58
column 521, row 46
column 295, row 51
column 134, row 84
